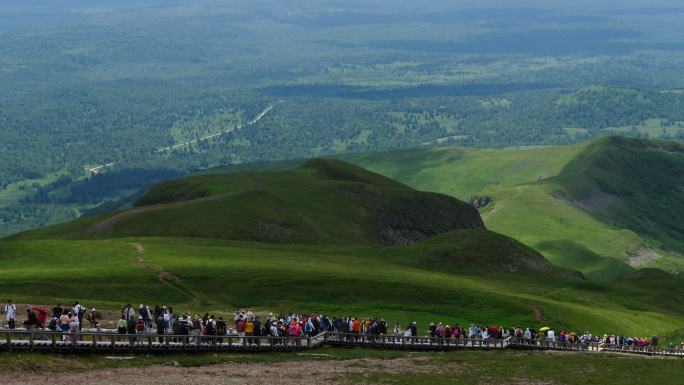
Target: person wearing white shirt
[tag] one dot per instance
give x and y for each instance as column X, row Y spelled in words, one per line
column 78, row 312
column 551, row 337
column 11, row 314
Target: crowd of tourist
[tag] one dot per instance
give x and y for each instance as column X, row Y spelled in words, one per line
column 145, row 320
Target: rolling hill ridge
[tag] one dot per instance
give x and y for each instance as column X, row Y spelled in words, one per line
column 323, row 201
column 603, row 207
column 633, row 183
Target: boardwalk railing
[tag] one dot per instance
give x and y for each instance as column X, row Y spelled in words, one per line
column 112, row 343
column 593, row 347
column 93, row 342
column 401, row 342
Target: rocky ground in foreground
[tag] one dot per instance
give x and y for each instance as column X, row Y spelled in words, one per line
column 286, row 373
column 344, row 366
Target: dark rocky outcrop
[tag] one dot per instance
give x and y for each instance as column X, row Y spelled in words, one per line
column 480, row 201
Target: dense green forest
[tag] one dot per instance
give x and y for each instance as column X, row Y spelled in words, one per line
column 88, row 83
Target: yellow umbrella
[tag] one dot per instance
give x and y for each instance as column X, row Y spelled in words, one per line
column 545, row 328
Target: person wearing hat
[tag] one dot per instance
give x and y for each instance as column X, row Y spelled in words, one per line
column 414, row 330
column 92, row 318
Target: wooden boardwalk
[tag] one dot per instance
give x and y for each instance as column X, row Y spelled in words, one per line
column 40, row 341
column 110, row 343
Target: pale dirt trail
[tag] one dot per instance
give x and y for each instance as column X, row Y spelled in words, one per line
column 252, row 122
column 285, row 373
column 172, row 280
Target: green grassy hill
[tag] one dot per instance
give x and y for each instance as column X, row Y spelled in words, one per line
column 631, row 183
column 323, row 201
column 465, row 276
column 184, row 244
column 592, row 206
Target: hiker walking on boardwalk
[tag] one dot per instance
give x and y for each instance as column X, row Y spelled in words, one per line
column 78, row 312
column 121, row 327
column 249, row 329
column 274, row 331
column 57, row 311
column 31, row 320
column 257, row 329
column 210, row 327
column 161, row 327
column 414, row 330
column 92, row 318
column 176, row 329
column 484, row 334
column 221, row 327
column 11, row 314
column 167, row 315
column 184, row 326
column 74, row 323
column 127, row 312
column 196, row 328
column 240, row 326
column 130, row 328
column 356, row 327
column 140, row 329
column 144, row 314
column 551, row 338
column 63, row 323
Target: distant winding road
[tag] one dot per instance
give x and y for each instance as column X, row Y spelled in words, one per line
column 252, row 122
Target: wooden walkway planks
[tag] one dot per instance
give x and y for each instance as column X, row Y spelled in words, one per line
column 109, row 343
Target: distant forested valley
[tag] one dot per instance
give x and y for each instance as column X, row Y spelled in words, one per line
column 92, row 83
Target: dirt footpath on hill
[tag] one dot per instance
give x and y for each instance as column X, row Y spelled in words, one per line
column 293, row 372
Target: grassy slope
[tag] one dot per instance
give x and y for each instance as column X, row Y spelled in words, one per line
column 322, row 201
column 526, row 206
column 459, row 277
column 421, row 282
column 633, row 183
